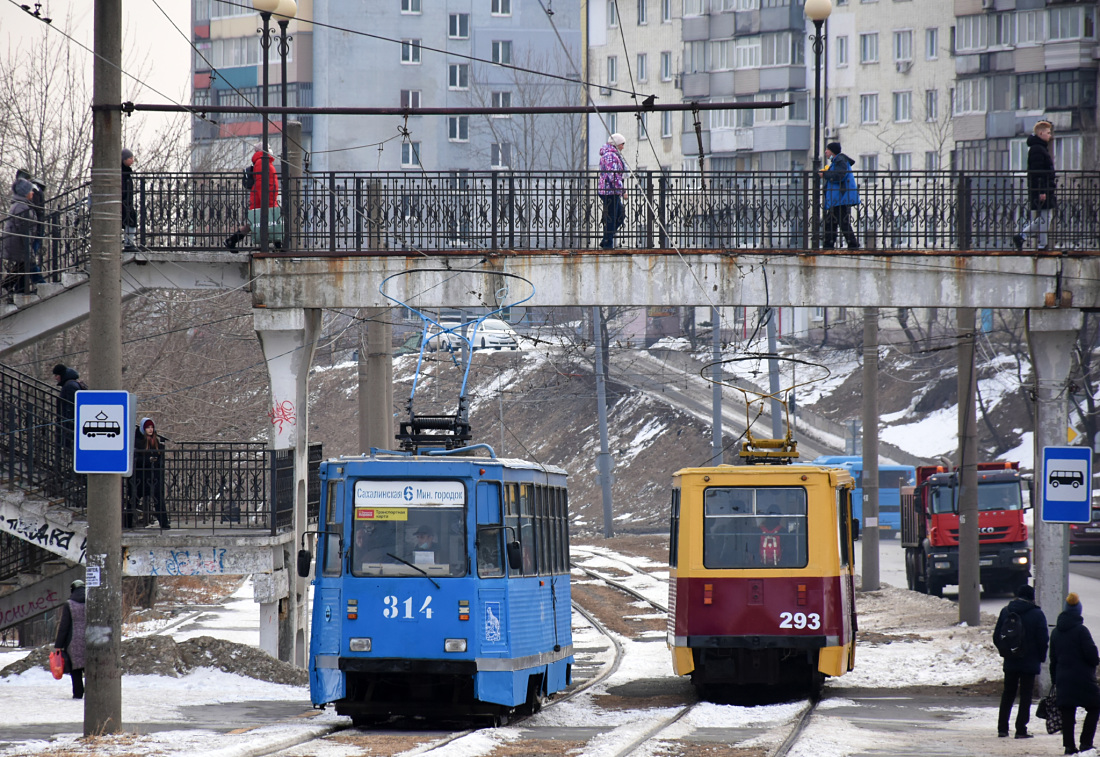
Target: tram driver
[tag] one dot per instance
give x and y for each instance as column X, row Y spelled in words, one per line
column 424, row 546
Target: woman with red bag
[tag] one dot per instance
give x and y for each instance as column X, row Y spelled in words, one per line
column 70, row 637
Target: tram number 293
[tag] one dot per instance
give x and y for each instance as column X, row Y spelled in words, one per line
column 403, row 608
column 800, row 620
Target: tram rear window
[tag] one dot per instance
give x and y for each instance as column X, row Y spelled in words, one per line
column 754, row 527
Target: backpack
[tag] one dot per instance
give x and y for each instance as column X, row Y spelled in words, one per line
column 82, row 384
column 1011, row 640
column 248, row 177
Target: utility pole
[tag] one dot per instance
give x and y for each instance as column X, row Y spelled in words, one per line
column 716, row 388
column 773, row 378
column 969, row 578
column 870, row 450
column 603, row 461
column 103, row 692
column 376, row 383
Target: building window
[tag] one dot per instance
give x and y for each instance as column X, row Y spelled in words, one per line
column 459, row 26
column 410, row 154
column 903, row 161
column 666, row 11
column 612, row 69
column 1029, row 92
column 748, row 5
column 1070, row 22
column 458, row 128
column 1067, row 153
column 931, row 44
column 612, row 122
column 971, row 96
column 643, row 69
column 931, row 105
column 1071, row 89
column 781, row 49
column 693, row 7
column 666, row 124
column 1030, row 27
column 721, row 55
column 903, row 107
column 903, row 45
column 500, row 154
column 868, row 48
column 410, row 98
column 841, row 51
column 1002, row 30
column 842, row 110
column 502, row 51
column 643, row 18
column 643, row 126
column 868, row 109
column 869, row 162
column 748, row 53
column 931, row 161
column 613, row 13
column 666, row 66
column 971, row 33
column 232, row 52
column 502, row 100
column 458, row 76
column 410, row 51
column 410, row 6
column 502, row 8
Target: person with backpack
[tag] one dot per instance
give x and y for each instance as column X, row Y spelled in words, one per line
column 69, row 383
column 1073, row 661
column 1021, row 637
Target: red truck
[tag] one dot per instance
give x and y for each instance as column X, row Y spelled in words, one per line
column 930, row 529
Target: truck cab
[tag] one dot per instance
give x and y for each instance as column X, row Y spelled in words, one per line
column 930, row 529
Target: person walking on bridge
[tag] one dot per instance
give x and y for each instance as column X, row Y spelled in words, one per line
column 610, row 188
column 1041, row 183
column 841, row 195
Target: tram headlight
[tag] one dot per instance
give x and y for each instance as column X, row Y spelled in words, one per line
column 454, row 645
column 359, row 645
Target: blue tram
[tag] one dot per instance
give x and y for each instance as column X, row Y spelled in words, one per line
column 441, row 586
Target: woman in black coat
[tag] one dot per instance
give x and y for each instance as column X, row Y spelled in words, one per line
column 1073, row 661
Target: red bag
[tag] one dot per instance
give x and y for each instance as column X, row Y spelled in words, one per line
column 57, row 663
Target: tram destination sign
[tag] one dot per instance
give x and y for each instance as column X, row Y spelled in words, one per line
column 1066, row 485
column 381, row 494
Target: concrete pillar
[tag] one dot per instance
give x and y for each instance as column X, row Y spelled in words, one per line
column 1050, row 338
column 289, row 339
column 376, row 383
column 969, row 546
column 870, row 529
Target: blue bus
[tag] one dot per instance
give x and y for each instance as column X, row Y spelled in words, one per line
column 890, row 480
column 441, row 586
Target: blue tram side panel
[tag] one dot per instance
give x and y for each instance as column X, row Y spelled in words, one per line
column 441, row 586
column 890, row 480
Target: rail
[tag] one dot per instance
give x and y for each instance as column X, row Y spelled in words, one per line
column 341, row 212
column 204, row 485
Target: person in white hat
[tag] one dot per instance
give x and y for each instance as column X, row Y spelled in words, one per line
column 610, row 188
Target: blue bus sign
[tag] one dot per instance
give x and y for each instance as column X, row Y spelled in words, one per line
column 1066, row 485
column 104, row 422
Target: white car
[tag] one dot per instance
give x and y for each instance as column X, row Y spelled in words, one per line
column 492, row 334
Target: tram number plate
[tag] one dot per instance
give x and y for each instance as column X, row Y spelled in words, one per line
column 988, row 561
column 800, row 620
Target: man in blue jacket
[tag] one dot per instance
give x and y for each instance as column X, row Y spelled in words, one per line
column 1021, row 666
column 841, row 195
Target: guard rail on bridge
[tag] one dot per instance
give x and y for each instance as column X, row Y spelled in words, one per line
column 341, row 213
column 211, row 486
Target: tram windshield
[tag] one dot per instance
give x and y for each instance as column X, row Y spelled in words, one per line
column 750, row 527
column 427, row 536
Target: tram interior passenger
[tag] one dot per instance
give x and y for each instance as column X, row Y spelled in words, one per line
column 748, row 527
column 411, row 546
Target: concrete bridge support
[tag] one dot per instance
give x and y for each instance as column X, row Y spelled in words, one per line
column 1050, row 337
column 289, row 340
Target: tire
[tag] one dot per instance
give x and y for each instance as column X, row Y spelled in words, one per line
column 935, row 588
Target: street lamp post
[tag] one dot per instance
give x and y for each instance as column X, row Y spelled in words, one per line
column 817, row 11
column 267, row 8
column 288, row 9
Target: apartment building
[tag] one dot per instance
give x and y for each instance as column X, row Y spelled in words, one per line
column 634, row 46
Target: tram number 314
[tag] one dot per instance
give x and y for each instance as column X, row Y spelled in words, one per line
column 799, row 620
column 403, row 608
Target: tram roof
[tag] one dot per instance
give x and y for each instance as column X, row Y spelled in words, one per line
column 764, row 470
column 390, row 456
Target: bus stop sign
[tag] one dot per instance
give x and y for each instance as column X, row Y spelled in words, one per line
column 1066, row 485
column 104, row 431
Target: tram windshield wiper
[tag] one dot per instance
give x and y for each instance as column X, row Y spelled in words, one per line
column 417, row 568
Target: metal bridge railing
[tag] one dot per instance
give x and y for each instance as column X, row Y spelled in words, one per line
column 340, row 212
column 215, row 486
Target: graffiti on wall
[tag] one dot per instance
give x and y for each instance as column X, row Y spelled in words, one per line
column 66, row 541
column 195, row 561
column 282, row 413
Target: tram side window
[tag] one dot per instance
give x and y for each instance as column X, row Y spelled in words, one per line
column 674, row 530
column 330, row 541
column 749, row 527
column 563, row 529
column 542, row 528
column 490, row 562
column 527, row 529
column 844, row 509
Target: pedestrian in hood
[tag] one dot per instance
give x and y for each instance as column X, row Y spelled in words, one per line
column 1021, row 669
column 148, row 478
column 129, row 215
column 610, row 188
column 70, row 636
column 261, row 195
column 1073, row 661
column 19, row 228
column 69, row 383
column 1041, row 183
column 841, row 195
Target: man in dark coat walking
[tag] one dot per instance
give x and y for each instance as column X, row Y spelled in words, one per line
column 1020, row 669
column 1073, row 661
column 841, row 195
column 18, row 238
column 69, row 382
column 129, row 214
column 70, row 637
column 1041, row 183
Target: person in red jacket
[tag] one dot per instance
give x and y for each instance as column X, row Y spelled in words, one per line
column 256, row 199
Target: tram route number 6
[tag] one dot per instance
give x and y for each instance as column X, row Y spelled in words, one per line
column 394, row 608
column 800, row 620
